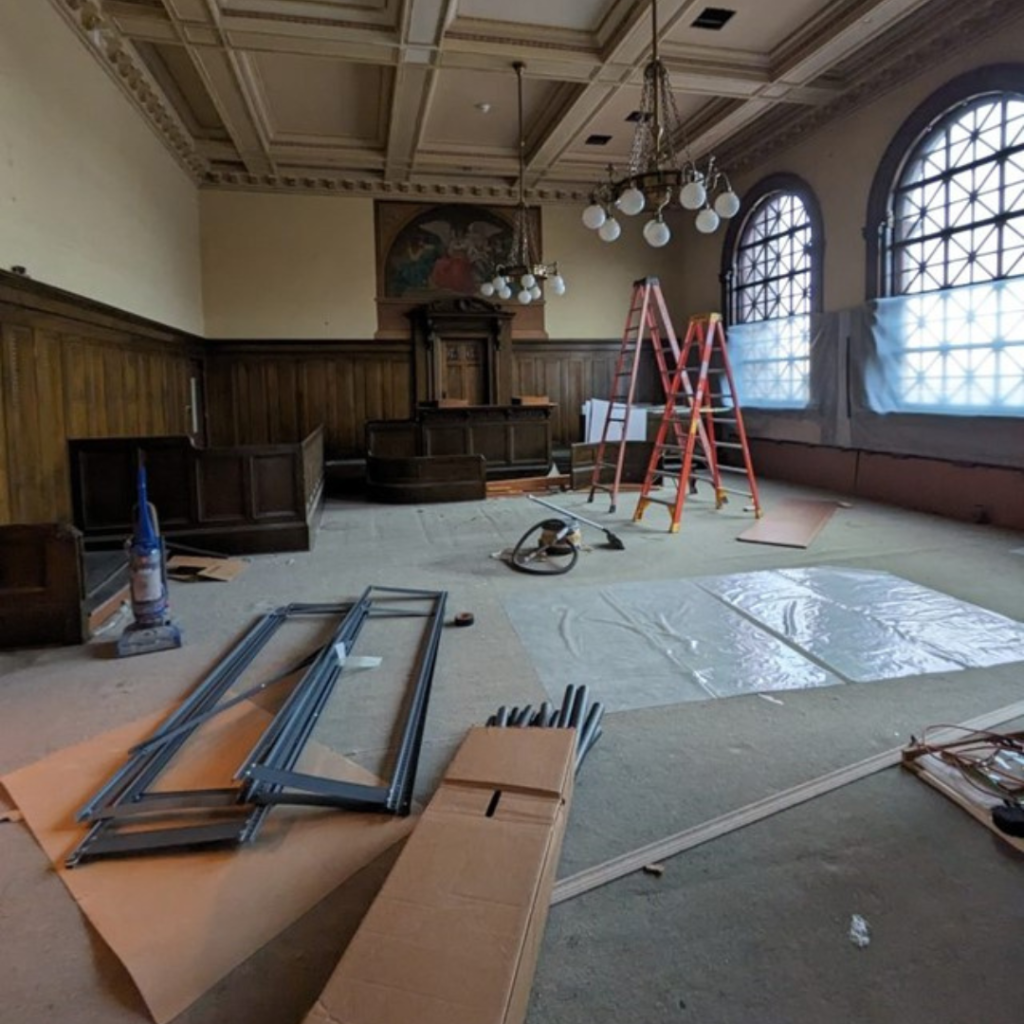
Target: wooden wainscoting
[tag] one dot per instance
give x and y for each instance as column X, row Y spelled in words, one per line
column 240, row 499
column 72, row 368
column 569, row 373
column 272, row 392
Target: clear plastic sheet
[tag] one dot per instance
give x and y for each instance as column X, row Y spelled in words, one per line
column 868, row 625
column 652, row 644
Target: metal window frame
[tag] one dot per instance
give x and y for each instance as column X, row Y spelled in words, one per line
column 267, row 774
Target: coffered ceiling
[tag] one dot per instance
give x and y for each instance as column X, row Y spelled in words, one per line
column 396, row 97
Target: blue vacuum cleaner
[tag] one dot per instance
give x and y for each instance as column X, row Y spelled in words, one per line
column 152, row 629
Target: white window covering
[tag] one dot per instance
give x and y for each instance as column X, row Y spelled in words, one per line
column 959, row 351
column 771, row 362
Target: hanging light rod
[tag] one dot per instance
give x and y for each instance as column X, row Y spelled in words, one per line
column 656, row 178
column 522, row 265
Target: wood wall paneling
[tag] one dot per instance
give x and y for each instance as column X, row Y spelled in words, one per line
column 569, row 373
column 280, row 392
column 66, row 371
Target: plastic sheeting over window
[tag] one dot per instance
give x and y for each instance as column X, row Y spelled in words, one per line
column 959, row 351
column 653, row 644
column 771, row 362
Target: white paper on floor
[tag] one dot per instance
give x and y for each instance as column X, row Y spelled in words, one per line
column 650, row 644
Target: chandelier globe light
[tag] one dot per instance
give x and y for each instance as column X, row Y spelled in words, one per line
column 656, row 179
column 522, row 270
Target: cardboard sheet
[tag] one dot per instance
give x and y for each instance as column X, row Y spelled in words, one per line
column 189, row 568
column 454, row 935
column 793, row 523
column 179, row 922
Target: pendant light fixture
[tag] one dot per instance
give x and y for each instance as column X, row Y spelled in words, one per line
column 522, row 272
column 656, row 179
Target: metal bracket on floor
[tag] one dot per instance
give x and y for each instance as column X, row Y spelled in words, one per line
column 122, row 813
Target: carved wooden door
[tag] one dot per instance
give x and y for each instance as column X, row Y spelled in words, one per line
column 464, row 370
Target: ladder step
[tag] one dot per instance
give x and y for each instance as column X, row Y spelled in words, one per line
column 728, row 444
column 728, row 490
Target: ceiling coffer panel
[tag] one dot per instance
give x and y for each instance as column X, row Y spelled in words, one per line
column 174, row 70
column 316, row 12
column 319, row 98
column 756, row 27
column 579, row 15
column 611, row 119
column 458, row 121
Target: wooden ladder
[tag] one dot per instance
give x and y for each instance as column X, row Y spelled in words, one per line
column 697, row 411
column 648, row 320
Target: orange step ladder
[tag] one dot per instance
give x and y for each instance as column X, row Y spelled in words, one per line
column 699, row 410
column 647, row 313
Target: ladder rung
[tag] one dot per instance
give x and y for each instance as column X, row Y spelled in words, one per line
column 728, row 490
column 733, row 469
column 729, row 444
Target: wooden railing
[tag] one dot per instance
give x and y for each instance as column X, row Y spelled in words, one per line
column 238, row 499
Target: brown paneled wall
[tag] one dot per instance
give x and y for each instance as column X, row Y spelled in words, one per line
column 272, row 392
column 70, row 368
column 569, row 373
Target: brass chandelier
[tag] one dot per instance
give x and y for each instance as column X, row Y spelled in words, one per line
column 522, row 267
column 656, row 178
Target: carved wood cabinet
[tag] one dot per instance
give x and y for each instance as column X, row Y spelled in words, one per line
column 462, row 349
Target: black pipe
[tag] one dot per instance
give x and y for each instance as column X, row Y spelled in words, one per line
column 579, row 705
column 585, row 736
column 563, row 711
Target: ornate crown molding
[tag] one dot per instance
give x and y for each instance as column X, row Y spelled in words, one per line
column 122, row 62
column 910, row 48
column 377, row 189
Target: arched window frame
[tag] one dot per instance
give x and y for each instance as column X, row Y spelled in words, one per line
column 960, row 91
column 775, row 184
column 929, row 356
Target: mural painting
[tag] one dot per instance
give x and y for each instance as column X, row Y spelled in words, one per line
column 447, row 249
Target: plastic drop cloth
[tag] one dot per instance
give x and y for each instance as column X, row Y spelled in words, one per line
column 650, row 644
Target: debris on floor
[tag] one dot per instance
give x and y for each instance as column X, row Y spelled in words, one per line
column 982, row 772
column 654, row 869
column 860, row 933
column 192, row 568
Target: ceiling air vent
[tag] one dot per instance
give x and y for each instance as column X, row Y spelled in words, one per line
column 598, row 140
column 713, row 18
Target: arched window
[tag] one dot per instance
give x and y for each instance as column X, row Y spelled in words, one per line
column 772, row 284
column 951, row 252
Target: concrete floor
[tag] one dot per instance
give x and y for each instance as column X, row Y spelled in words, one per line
column 750, row 928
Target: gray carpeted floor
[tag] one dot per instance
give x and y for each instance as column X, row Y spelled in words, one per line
column 750, row 928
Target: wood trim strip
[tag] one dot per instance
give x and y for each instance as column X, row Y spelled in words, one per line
column 627, row 863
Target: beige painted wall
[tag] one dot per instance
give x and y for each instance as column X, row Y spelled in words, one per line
column 90, row 200
column 839, row 163
column 600, row 275
column 288, row 266
column 303, row 267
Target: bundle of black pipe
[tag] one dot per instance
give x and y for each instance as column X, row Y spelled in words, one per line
column 573, row 713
